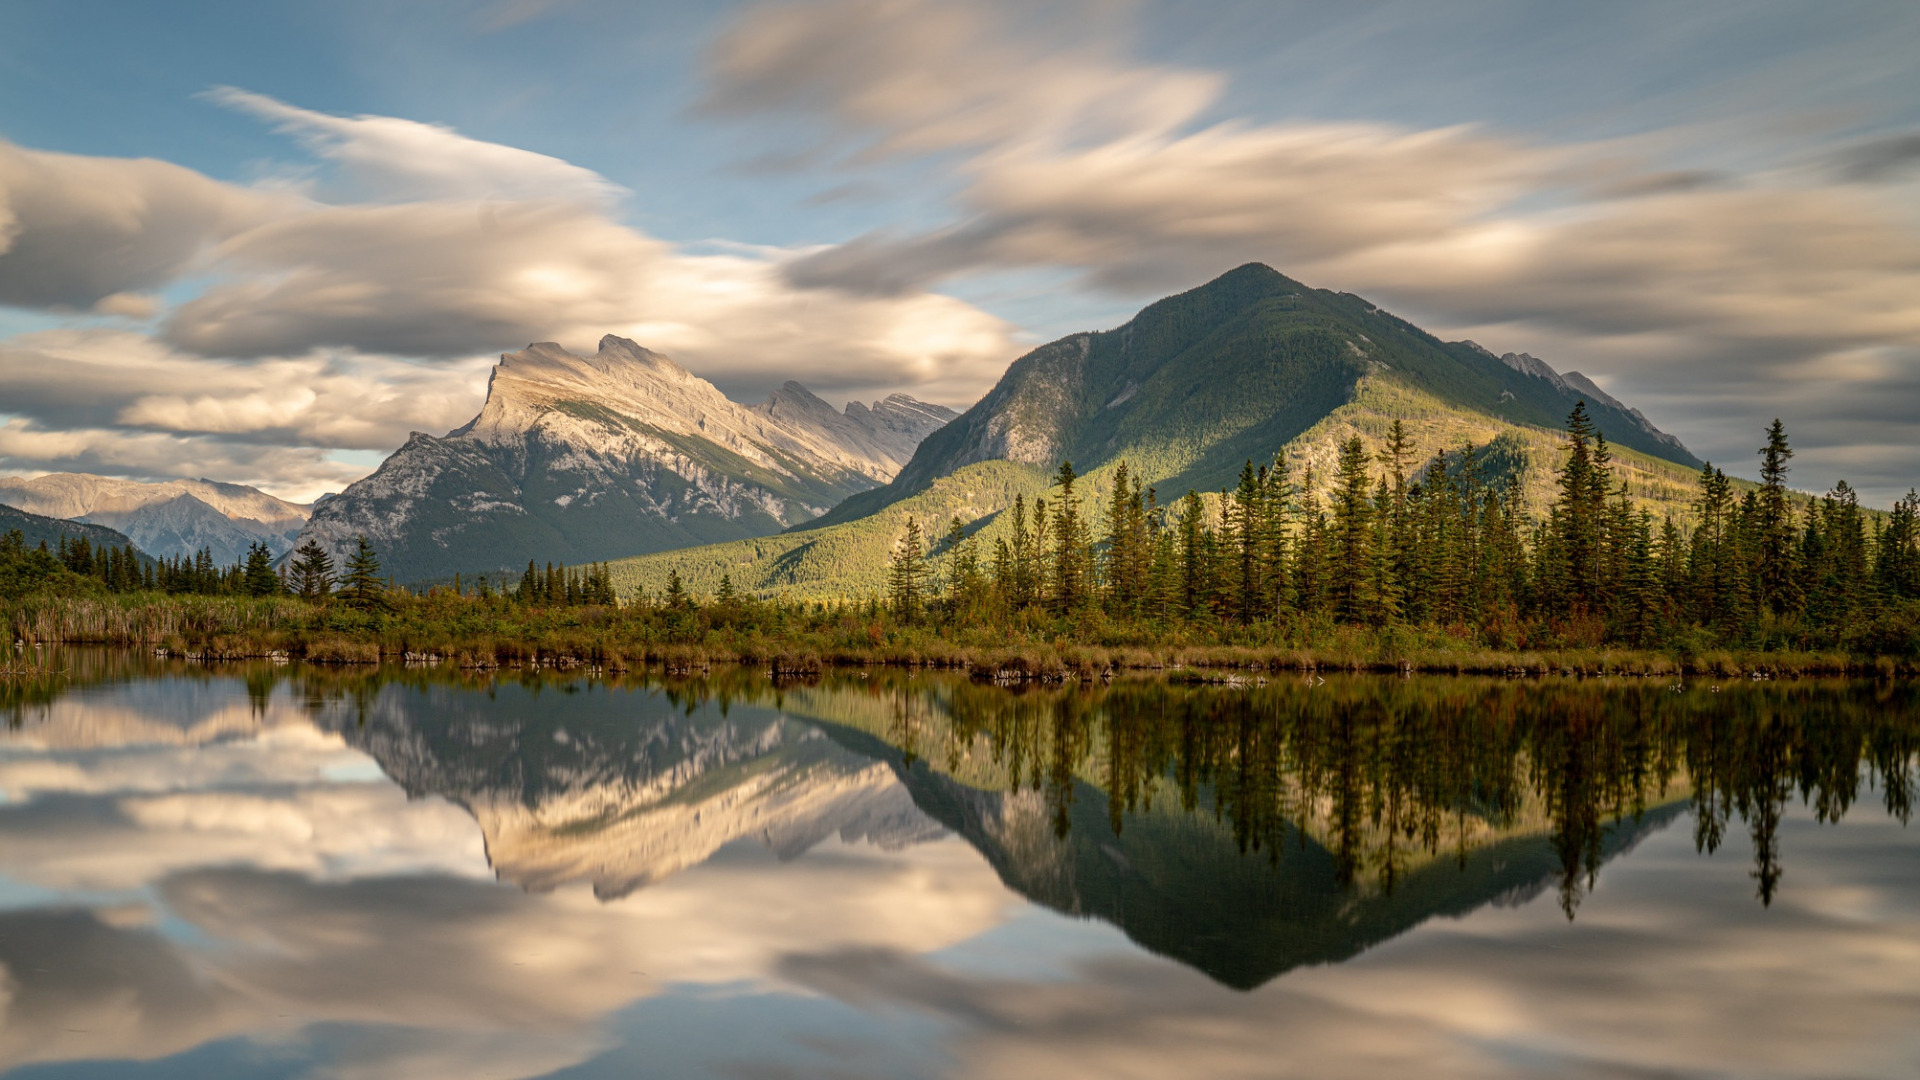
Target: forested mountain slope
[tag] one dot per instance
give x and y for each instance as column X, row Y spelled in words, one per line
column 1247, row 367
column 1197, row 384
column 36, row 529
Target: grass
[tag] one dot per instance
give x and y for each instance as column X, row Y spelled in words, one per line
column 794, row 639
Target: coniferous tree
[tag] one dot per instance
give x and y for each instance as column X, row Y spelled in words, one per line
column 1351, row 571
column 905, row 574
column 260, row 578
column 1195, row 585
column 1245, row 512
column 361, row 587
column 1072, row 572
column 1775, row 569
column 1896, row 562
column 1310, row 550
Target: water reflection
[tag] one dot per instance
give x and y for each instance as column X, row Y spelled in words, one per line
column 214, row 864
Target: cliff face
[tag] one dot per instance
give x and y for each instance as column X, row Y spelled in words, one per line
column 575, row 459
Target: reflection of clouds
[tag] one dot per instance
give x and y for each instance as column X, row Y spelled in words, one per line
column 451, row 973
column 1672, row 969
column 253, row 896
column 77, row 987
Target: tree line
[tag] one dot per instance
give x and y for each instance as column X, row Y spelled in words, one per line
column 1378, row 545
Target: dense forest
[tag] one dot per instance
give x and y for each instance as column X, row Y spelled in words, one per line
column 1382, row 547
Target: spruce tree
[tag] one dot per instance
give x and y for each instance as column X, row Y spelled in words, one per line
column 1351, row 573
column 905, row 574
column 1072, row 573
column 1776, row 570
column 260, row 580
column 1194, row 572
column 361, row 587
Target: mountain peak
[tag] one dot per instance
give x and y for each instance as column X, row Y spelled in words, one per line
column 582, row 458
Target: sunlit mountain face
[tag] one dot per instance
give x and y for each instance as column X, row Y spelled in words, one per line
column 263, row 870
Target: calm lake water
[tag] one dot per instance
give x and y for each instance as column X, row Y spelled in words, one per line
column 261, row 871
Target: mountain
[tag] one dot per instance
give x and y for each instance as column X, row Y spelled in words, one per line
column 577, row 459
column 177, row 517
column 38, row 529
column 1247, row 366
column 1238, row 368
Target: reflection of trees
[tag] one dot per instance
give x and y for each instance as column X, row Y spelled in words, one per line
column 1387, row 775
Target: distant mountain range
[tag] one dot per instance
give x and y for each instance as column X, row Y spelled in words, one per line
column 173, row 518
column 574, row 459
column 1247, row 366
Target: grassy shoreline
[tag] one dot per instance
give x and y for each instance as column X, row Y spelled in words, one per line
column 469, row 634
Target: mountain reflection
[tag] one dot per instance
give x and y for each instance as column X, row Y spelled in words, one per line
column 1244, row 830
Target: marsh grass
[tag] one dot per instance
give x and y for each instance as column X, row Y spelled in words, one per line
column 480, row 634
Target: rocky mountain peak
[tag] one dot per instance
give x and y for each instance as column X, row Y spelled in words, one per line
column 578, row 458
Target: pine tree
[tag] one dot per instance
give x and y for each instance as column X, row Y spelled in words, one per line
column 676, row 598
column 1071, row 565
column 361, row 587
column 260, row 578
column 1195, row 574
column 1775, row 572
column 1351, row 574
column 905, row 574
column 1245, row 512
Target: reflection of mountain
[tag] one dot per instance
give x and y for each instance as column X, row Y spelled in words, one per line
column 624, row 788
column 1177, row 883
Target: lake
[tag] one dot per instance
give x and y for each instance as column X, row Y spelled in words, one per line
column 262, row 870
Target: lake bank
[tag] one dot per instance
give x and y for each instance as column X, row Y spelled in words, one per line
column 466, row 633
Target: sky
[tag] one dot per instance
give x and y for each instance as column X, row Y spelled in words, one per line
column 261, row 242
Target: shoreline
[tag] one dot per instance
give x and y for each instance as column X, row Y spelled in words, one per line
column 475, row 635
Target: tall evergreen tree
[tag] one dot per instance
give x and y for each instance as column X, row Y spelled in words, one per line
column 906, row 573
column 361, row 588
column 259, row 576
column 1072, row 569
column 1776, row 570
column 1351, row 574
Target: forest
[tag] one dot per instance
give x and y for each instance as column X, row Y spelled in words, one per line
column 1769, row 569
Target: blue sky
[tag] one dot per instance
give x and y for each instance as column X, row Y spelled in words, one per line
column 1709, row 209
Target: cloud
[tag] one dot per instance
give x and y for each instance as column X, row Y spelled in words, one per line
column 79, row 231
column 1755, row 281
column 1880, row 159
column 395, row 160
column 913, row 77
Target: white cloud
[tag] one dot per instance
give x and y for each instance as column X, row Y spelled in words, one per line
column 391, row 159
